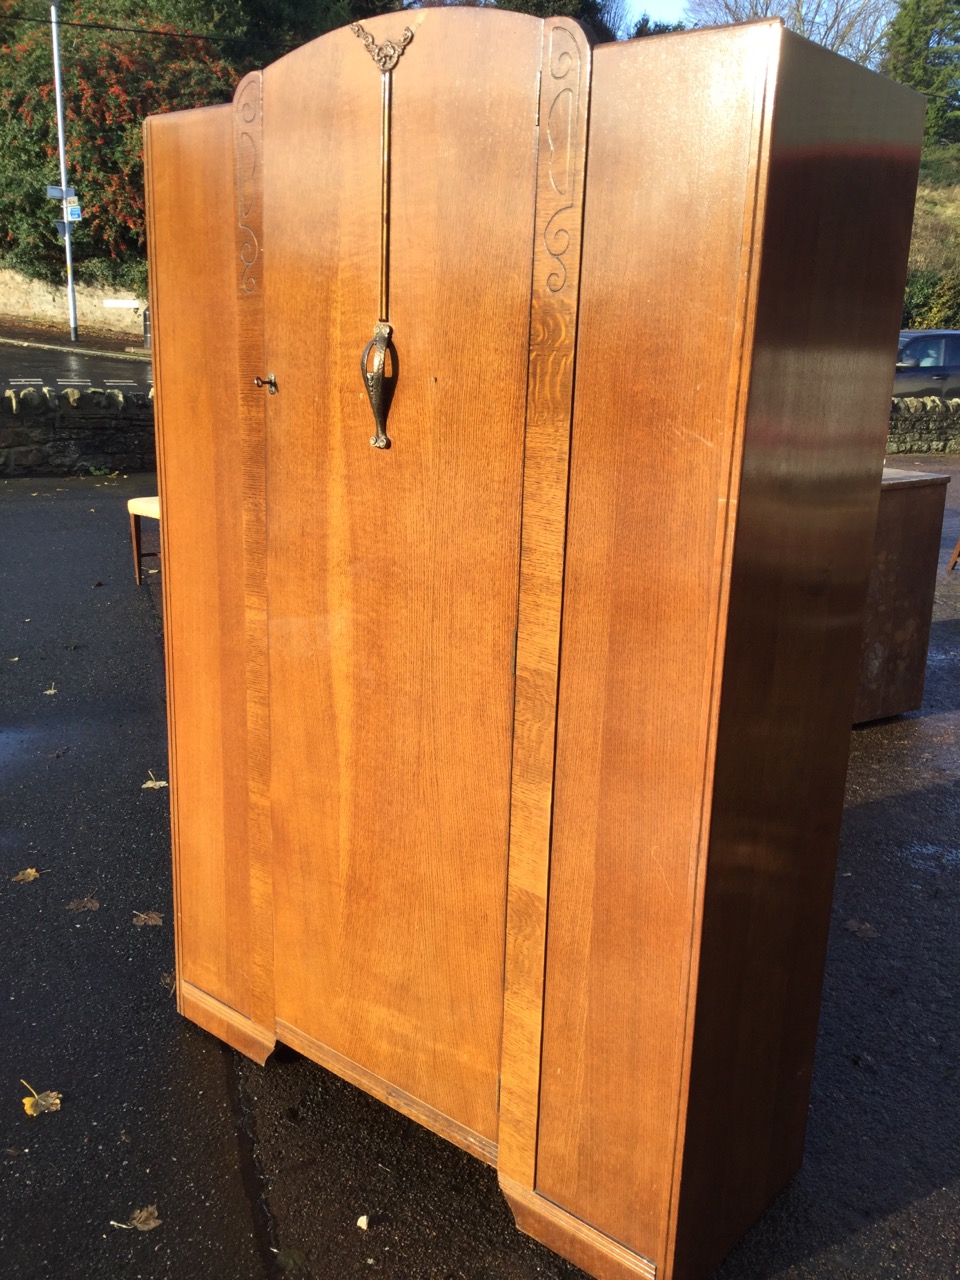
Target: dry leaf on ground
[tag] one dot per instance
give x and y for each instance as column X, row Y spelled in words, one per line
column 83, row 904
column 169, row 980
column 25, row 876
column 154, row 784
column 145, row 1219
column 141, row 1220
column 53, row 687
column 141, row 918
column 40, row 1102
column 861, row 929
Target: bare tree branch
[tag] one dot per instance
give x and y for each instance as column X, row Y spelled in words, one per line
column 855, row 28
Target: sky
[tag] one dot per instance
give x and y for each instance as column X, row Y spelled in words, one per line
column 659, row 10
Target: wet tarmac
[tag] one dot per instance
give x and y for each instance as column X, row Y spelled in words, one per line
column 264, row 1172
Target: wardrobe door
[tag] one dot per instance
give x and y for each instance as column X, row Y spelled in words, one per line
column 393, row 571
column 210, row 462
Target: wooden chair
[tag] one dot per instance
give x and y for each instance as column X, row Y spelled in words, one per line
column 138, row 508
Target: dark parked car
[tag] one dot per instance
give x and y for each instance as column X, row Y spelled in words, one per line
column 928, row 363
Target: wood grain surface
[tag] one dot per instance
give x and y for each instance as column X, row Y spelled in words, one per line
column 393, row 573
column 250, row 436
column 667, row 233
column 844, row 155
column 900, row 592
column 564, row 97
column 220, row 944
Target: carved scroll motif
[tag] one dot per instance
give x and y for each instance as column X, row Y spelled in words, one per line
column 248, row 126
column 564, row 101
column 563, row 116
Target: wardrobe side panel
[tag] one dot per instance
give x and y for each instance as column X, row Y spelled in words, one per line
column 671, row 178
column 843, row 170
column 191, row 202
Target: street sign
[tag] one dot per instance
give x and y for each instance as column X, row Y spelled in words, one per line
column 74, row 213
column 61, row 229
column 59, row 193
column 71, row 200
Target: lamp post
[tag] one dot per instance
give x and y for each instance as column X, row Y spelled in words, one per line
column 71, row 292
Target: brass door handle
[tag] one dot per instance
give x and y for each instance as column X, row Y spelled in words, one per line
column 373, row 380
column 270, row 382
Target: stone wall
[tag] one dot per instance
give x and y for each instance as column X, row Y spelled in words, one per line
column 75, row 432
column 926, row 425
column 40, row 303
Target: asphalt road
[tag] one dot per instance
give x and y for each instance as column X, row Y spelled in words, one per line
column 262, row 1173
column 25, row 366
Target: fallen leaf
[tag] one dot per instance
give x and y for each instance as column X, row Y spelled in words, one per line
column 13, row 659
column 363, row 1222
column 71, row 646
column 145, row 1219
column 83, row 904
column 169, row 980
column 141, row 1220
column 53, row 687
column 98, row 584
column 12, row 1151
column 861, row 929
column 55, row 755
column 154, row 784
column 141, row 918
column 40, row 1102
column 24, row 877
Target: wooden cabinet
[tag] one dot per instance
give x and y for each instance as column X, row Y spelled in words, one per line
column 900, row 592
column 508, row 760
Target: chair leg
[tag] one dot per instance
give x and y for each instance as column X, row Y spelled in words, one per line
column 135, row 539
column 955, row 557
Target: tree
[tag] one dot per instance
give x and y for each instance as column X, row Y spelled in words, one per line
column 647, row 27
column 110, row 85
column 606, row 19
column 122, row 60
column 855, row 28
column 923, row 51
